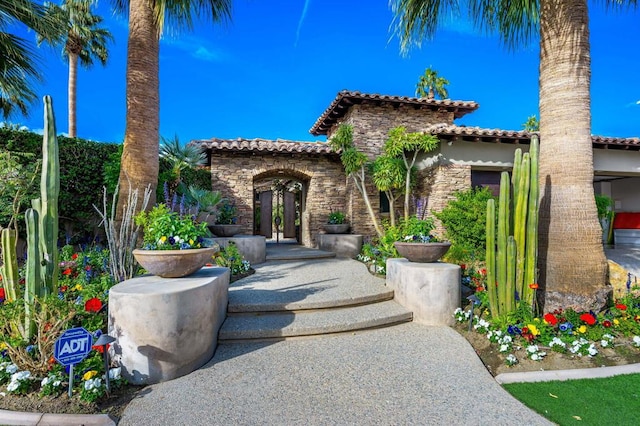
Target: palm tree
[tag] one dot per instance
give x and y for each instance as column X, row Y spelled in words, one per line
column 85, row 40
column 430, row 84
column 17, row 56
column 181, row 157
column 573, row 268
column 147, row 18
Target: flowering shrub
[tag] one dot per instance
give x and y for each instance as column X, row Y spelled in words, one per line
column 230, row 257
column 81, row 301
column 165, row 229
column 574, row 333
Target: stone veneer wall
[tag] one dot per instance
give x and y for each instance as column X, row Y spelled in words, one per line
column 233, row 174
column 371, row 125
column 438, row 184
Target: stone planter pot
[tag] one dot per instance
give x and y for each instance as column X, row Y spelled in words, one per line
column 174, row 263
column 225, row 230
column 341, row 228
column 422, row 252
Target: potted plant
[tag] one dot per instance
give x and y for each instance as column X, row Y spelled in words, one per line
column 206, row 203
column 172, row 244
column 417, row 244
column 336, row 223
column 226, row 220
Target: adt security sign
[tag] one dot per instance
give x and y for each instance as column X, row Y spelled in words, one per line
column 73, row 346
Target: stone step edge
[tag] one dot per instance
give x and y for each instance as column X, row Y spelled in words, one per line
column 313, row 336
column 249, row 334
column 289, row 257
column 239, row 309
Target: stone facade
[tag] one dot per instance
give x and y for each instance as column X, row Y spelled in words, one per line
column 234, row 174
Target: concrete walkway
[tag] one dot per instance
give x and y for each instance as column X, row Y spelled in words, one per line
column 405, row 374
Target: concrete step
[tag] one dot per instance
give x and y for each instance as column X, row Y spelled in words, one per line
column 280, row 325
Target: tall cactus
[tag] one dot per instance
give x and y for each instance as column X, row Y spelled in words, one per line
column 9, row 268
column 512, row 255
column 47, row 204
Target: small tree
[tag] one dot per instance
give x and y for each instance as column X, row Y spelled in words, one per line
column 389, row 177
column 355, row 166
column 406, row 146
column 430, row 84
column 532, row 124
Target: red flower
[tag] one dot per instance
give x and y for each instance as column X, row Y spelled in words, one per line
column 483, row 271
column 588, row 318
column 525, row 330
column 93, row 305
column 87, row 268
column 67, row 271
column 533, row 286
column 63, row 288
column 463, row 266
column 530, row 337
column 74, row 256
column 2, row 295
column 551, row 319
column 100, row 348
column 606, row 323
column 479, row 288
column 621, row 306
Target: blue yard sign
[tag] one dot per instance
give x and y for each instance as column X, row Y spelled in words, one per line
column 73, row 346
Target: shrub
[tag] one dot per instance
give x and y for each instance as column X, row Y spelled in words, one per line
column 230, row 257
column 464, row 220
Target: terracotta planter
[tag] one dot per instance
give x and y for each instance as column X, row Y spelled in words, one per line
column 225, row 230
column 174, row 263
column 422, row 252
column 342, row 228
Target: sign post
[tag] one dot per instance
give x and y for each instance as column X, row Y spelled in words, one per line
column 71, row 348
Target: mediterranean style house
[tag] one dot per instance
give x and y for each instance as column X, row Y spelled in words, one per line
column 305, row 181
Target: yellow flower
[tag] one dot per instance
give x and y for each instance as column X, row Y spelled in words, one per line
column 533, row 329
column 89, row 374
column 536, row 319
column 616, row 322
column 582, row 329
column 162, row 239
column 3, row 346
column 191, row 242
column 78, row 287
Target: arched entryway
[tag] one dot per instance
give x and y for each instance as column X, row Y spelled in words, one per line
column 279, row 205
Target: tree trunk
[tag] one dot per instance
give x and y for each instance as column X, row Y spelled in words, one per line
column 72, row 92
column 140, row 162
column 573, row 268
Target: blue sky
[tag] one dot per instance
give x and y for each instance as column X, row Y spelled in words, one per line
column 273, row 70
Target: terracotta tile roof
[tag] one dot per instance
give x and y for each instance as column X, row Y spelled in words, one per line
column 264, row 145
column 339, row 106
column 477, row 134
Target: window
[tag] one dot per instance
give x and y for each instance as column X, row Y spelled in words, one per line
column 486, row 178
column 384, row 203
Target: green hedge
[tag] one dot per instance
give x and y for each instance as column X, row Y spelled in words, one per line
column 82, row 165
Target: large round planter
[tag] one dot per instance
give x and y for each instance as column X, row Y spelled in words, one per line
column 341, row 228
column 422, row 252
column 225, row 230
column 174, row 263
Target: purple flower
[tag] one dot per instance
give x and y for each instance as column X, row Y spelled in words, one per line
column 514, row 330
column 565, row 326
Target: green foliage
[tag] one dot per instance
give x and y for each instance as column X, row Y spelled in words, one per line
column 111, row 169
column 604, row 205
column 336, row 218
column 430, row 84
column 532, row 124
column 227, row 213
column 464, row 220
column 167, row 230
column 83, row 173
column 230, row 257
column 18, row 185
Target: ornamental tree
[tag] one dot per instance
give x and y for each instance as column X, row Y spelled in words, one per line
column 407, row 146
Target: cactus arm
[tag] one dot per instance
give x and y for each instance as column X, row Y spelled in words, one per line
column 33, row 287
column 491, row 257
column 502, row 234
column 9, row 268
column 520, row 222
column 511, row 275
column 48, row 204
column 531, row 257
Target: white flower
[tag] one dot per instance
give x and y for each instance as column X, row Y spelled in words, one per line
column 532, row 349
column 13, row 386
column 506, row 339
column 504, row 348
column 557, row 342
column 45, row 381
column 11, row 368
column 114, row 373
column 57, row 383
column 604, row 343
column 592, row 350
column 511, row 359
column 636, row 341
column 21, row 375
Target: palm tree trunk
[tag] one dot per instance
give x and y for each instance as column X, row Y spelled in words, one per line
column 72, row 93
column 573, row 268
column 140, row 164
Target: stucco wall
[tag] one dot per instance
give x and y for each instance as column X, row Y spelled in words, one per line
column 233, row 174
column 626, row 194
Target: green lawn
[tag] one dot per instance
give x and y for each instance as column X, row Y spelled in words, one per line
column 610, row 401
